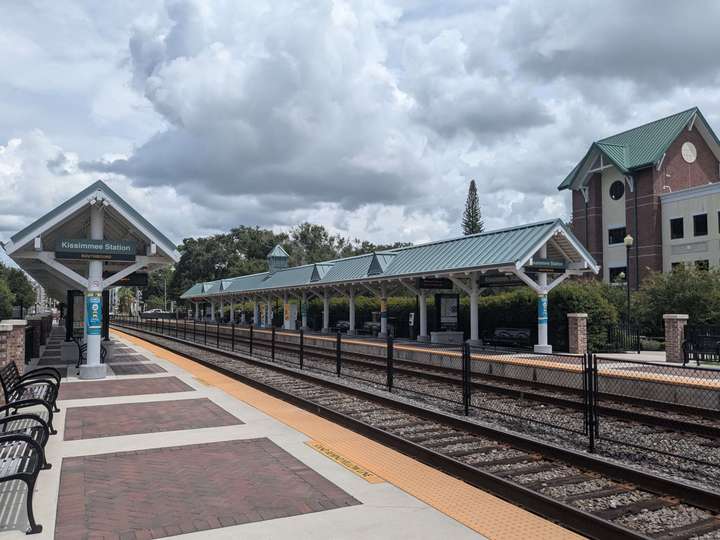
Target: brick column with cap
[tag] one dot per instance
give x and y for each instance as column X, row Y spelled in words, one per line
column 15, row 342
column 577, row 333
column 674, row 336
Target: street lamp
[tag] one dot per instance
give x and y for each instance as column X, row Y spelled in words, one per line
column 628, row 241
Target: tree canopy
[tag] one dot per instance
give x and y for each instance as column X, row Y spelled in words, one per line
column 243, row 251
column 15, row 289
column 472, row 222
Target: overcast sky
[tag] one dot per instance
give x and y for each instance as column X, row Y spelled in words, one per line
column 369, row 117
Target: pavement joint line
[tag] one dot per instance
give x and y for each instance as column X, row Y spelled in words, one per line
column 474, row 508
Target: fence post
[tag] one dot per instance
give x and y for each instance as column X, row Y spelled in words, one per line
column 302, row 348
column 251, row 339
column 338, row 353
column 194, row 331
column 185, row 328
column 272, row 344
column 232, row 336
column 590, row 400
column 217, row 335
column 466, row 377
column 205, row 333
column 390, row 369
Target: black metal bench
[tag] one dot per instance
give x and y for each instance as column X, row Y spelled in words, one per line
column 22, row 458
column 510, row 337
column 30, row 424
column 705, row 348
column 42, row 384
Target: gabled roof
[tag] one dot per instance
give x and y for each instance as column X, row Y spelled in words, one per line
column 639, row 147
column 278, row 251
column 493, row 250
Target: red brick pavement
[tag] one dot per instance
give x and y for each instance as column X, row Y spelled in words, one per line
column 162, row 492
column 133, row 418
column 137, row 369
column 122, row 387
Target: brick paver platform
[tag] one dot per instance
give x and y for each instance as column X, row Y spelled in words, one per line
column 134, row 418
column 123, row 387
column 167, row 491
column 54, row 361
column 126, row 358
column 137, row 369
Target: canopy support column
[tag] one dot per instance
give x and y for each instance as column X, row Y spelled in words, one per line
column 542, row 313
column 93, row 369
column 268, row 313
column 422, row 307
column 473, row 291
column 256, row 312
column 326, row 312
column 383, row 312
column 212, row 310
column 351, row 311
column 232, row 310
column 197, row 310
column 303, row 311
column 221, row 311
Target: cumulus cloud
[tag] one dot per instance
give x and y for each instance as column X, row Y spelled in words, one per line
column 368, row 116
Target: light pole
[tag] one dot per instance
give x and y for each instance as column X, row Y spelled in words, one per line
column 628, row 241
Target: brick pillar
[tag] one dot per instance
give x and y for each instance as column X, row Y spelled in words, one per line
column 16, row 342
column 577, row 333
column 674, row 336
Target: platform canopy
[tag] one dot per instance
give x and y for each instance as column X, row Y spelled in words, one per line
column 56, row 248
column 504, row 256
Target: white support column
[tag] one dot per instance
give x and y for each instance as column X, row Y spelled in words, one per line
column 256, row 312
column 212, row 310
column 221, row 313
column 287, row 312
column 197, row 310
column 303, row 311
column 474, row 324
column 326, row 312
column 542, row 313
column 268, row 313
column 93, row 369
column 422, row 306
column 232, row 310
column 351, row 311
column 383, row 312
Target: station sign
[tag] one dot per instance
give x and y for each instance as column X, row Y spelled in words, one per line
column 94, row 250
column 498, row 280
column 546, row 265
column 136, row 279
column 434, row 283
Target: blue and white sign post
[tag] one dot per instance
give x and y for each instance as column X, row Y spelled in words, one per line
column 542, row 311
column 93, row 314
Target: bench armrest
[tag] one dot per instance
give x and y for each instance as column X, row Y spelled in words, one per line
column 6, row 421
column 42, row 372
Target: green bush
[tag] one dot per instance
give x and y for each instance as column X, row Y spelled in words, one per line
column 684, row 290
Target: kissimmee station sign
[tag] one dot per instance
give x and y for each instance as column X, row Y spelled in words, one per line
column 78, row 251
column 97, row 250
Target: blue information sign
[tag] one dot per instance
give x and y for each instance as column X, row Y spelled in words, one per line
column 542, row 310
column 93, row 315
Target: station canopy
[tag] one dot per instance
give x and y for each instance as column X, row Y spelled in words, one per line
column 503, row 257
column 39, row 250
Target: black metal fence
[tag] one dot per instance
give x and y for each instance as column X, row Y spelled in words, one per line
column 614, row 406
column 701, row 344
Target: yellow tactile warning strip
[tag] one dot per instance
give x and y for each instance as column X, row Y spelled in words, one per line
column 480, row 511
column 349, row 464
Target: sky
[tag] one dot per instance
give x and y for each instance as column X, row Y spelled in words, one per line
column 368, row 117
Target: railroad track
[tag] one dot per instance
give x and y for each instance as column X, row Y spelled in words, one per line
column 596, row 497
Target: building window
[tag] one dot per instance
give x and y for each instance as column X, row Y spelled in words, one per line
column 700, row 225
column 616, row 235
column 617, row 190
column 702, row 265
column 677, row 228
column 618, row 274
column 676, row 266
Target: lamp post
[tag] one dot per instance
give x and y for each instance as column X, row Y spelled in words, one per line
column 628, row 241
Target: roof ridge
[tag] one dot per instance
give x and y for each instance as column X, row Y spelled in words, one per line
column 695, row 109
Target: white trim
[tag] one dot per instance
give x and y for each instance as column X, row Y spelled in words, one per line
column 48, row 257
column 460, row 285
column 691, row 193
column 141, row 262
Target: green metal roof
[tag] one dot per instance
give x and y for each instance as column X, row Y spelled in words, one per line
column 638, row 147
column 489, row 250
column 117, row 201
column 278, row 251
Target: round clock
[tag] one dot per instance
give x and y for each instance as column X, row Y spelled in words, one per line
column 689, row 152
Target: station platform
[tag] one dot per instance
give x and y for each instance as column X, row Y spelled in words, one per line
column 172, row 448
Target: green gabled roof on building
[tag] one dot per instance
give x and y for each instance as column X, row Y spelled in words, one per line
column 278, row 251
column 638, row 147
column 490, row 250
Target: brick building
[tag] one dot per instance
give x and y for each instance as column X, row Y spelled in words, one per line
column 651, row 182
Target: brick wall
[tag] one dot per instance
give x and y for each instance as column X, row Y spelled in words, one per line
column 674, row 336
column 577, row 333
column 14, row 343
column 678, row 174
column 594, row 240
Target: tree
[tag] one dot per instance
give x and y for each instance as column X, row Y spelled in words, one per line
column 20, row 286
column 7, row 298
column 472, row 222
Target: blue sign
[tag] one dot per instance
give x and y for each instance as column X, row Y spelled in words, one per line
column 93, row 319
column 542, row 310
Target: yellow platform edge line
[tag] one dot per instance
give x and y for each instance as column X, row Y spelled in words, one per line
column 480, row 511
